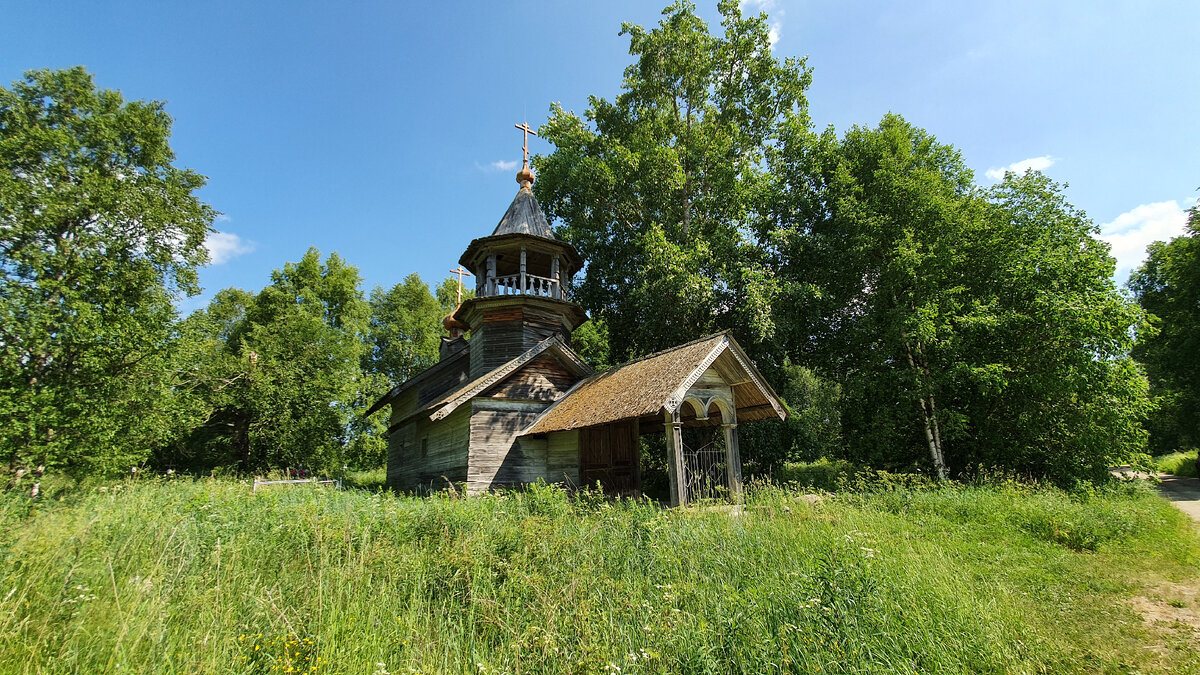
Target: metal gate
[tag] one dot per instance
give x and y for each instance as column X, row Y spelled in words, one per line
column 705, row 471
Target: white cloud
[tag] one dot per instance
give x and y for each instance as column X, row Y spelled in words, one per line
column 225, row 246
column 768, row 6
column 502, row 165
column 1035, row 163
column 1131, row 232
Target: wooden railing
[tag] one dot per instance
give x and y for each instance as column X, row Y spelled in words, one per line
column 543, row 287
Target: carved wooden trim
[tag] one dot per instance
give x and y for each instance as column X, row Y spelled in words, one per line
column 676, row 398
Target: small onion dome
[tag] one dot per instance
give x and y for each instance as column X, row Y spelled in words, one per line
column 525, row 176
column 455, row 327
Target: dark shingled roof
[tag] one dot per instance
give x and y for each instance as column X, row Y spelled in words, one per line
column 648, row 385
column 524, row 216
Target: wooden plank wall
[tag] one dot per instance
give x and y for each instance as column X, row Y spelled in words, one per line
column 441, row 383
column 562, row 457
column 608, row 453
column 506, row 333
column 445, row 452
column 497, row 457
column 542, row 379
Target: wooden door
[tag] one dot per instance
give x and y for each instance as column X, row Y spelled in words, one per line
column 608, row 454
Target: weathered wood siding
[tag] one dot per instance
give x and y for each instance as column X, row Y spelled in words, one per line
column 609, row 454
column 497, row 457
column 507, row 332
column 542, row 379
column 442, row 382
column 426, row 385
column 562, row 457
column 421, row 452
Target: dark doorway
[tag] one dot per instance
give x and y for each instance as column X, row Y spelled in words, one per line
column 609, row 454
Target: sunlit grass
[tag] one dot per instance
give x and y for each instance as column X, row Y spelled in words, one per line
column 1178, row 463
column 202, row 576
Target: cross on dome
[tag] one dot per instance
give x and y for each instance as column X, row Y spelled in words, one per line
column 525, row 176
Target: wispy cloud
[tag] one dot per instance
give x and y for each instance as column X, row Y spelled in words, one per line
column 225, row 246
column 768, row 6
column 1131, row 232
column 1035, row 163
column 503, row 165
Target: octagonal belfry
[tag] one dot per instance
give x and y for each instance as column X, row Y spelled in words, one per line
column 522, row 284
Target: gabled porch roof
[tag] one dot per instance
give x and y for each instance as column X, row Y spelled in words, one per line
column 660, row 382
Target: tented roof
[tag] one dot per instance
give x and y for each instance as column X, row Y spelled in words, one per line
column 524, row 216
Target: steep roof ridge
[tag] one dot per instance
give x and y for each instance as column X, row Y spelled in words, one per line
column 447, row 404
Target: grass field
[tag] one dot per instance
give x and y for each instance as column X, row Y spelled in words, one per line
column 200, row 576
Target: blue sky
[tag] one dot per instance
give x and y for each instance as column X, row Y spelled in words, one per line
column 385, row 131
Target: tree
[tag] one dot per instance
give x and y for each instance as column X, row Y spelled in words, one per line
column 981, row 330
column 406, row 329
column 660, row 189
column 1167, row 286
column 279, row 371
column 99, row 232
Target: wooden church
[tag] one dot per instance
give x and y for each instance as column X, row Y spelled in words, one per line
column 514, row 404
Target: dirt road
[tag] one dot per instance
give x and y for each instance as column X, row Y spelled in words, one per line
column 1183, row 493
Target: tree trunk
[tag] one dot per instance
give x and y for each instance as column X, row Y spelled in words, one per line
column 933, row 434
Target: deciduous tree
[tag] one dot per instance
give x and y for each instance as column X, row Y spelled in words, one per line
column 659, row 189
column 279, row 371
column 99, row 233
column 1168, row 287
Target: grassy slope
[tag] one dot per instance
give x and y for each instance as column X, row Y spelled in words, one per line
column 202, row 577
column 1177, row 463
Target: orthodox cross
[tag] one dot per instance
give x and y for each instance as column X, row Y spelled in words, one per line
column 460, row 272
column 525, row 144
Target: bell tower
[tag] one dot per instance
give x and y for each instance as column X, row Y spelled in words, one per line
column 522, row 282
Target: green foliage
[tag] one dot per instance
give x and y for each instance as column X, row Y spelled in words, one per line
column 99, row 232
column 278, row 372
column 824, row 474
column 977, row 329
column 659, row 188
column 591, row 342
column 1168, row 288
column 1179, row 464
column 200, row 576
column 812, row 430
column 406, row 329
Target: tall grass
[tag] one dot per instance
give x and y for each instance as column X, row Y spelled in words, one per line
column 1178, row 463
column 200, row 576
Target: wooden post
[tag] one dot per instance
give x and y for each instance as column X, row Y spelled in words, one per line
column 733, row 462
column 677, row 474
column 556, row 292
column 491, row 274
column 523, row 289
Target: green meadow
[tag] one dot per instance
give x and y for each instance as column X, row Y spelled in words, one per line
column 188, row 575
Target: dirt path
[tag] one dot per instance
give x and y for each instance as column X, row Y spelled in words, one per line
column 1183, row 493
